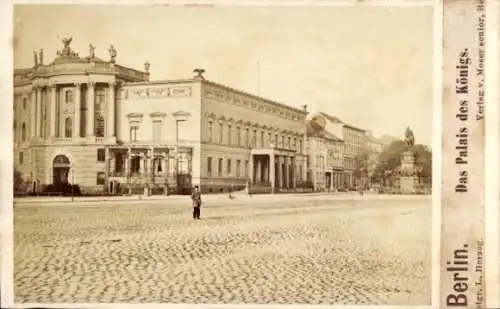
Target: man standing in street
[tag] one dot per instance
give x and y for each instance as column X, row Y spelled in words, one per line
column 196, row 197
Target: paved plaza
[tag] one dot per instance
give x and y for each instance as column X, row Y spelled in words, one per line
column 308, row 250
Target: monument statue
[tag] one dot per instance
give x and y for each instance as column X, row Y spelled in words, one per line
column 91, row 51
column 409, row 137
column 40, row 57
column 112, row 54
column 35, row 58
column 147, row 65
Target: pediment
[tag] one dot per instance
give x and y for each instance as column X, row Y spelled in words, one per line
column 135, row 115
column 181, row 114
column 158, row 115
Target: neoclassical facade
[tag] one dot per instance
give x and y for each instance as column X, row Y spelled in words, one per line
column 103, row 126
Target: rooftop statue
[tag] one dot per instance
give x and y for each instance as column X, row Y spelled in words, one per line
column 91, row 51
column 112, row 54
column 40, row 57
column 35, row 58
column 66, row 50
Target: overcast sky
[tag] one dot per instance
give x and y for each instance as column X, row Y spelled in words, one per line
column 370, row 66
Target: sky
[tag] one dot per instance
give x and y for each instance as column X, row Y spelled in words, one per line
column 371, row 66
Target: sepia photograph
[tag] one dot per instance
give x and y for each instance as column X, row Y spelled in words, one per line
column 223, row 154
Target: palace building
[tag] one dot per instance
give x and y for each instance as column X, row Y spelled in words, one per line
column 107, row 127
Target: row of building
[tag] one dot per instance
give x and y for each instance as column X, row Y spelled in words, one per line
column 101, row 125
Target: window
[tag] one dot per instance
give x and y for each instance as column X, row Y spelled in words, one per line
column 159, row 167
column 276, row 140
column 220, row 167
column 101, row 178
column 101, row 155
column 21, row 157
column 294, row 145
column 300, row 146
column 209, row 166
column 210, row 133
column 221, row 128
column 229, row 167
column 23, row 132
column 269, row 139
column 99, row 125
column 229, row 134
column 25, row 103
column 262, row 139
column 238, row 136
column 246, row 168
column 282, row 141
column 247, row 138
column 254, row 138
column 68, row 127
column 100, row 98
column 157, row 130
column 238, row 168
column 133, row 133
column 289, row 145
column 68, row 96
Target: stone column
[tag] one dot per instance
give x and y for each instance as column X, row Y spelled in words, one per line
column 294, row 174
column 38, row 129
column 280, row 172
column 112, row 164
column 111, row 111
column 33, row 111
column 90, row 109
column 265, row 170
column 76, row 123
column 286, row 176
column 127, row 162
column 53, row 109
column 251, row 169
column 141, row 164
column 272, row 172
column 332, row 180
column 258, row 172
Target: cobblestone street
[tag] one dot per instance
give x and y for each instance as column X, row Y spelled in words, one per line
column 317, row 250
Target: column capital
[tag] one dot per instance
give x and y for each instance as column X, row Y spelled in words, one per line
column 78, row 84
column 112, row 84
column 91, row 84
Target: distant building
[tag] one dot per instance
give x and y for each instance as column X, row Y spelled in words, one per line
column 104, row 126
column 325, row 152
column 374, row 148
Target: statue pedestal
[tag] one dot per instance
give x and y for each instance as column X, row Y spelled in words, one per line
column 408, row 180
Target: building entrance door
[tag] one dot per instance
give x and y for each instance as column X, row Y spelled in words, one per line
column 328, row 180
column 60, row 169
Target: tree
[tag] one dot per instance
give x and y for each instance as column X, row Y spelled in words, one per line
column 391, row 159
column 361, row 165
column 19, row 184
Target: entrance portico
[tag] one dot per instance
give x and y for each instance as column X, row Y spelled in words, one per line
column 273, row 167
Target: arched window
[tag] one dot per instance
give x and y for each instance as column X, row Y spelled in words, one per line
column 99, row 125
column 68, row 127
column 23, row 131
column 25, row 103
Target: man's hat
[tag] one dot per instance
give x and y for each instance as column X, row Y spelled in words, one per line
column 196, row 186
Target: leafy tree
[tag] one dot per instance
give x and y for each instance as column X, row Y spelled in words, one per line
column 391, row 159
column 19, row 184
